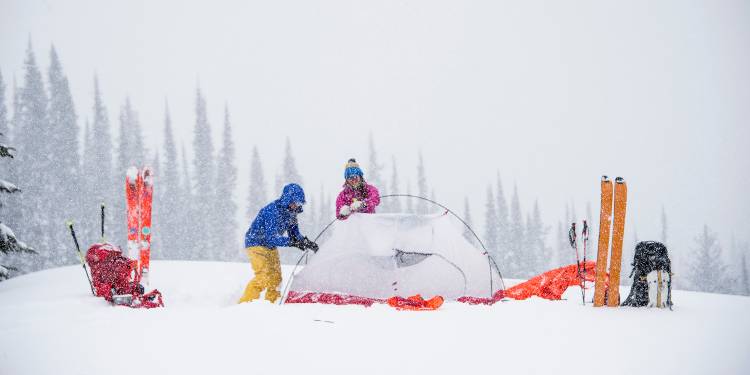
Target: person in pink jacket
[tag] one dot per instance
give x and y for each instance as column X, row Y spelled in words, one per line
column 358, row 195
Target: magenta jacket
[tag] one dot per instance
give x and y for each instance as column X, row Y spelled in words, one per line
column 348, row 195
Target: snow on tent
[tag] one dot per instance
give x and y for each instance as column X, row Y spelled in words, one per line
column 369, row 258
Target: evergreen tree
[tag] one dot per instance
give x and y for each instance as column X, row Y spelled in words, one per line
column 536, row 234
column 394, row 204
column 503, row 225
column 528, row 254
column 491, row 231
column 9, row 244
column 130, row 151
column 226, row 224
column 515, row 256
column 421, row 187
column 374, row 168
column 188, row 249
column 204, row 178
column 66, row 195
column 87, row 144
column 256, row 197
column 288, row 173
column 706, row 270
column 4, row 123
column 737, row 266
column 14, row 211
column 100, row 183
column 35, row 159
column 744, row 277
column 167, row 205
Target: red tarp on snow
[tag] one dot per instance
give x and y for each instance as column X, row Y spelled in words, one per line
column 330, row 299
column 552, row 284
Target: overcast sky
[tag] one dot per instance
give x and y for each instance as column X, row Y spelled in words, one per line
column 550, row 94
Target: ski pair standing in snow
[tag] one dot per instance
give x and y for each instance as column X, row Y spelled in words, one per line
column 358, row 195
column 266, row 234
column 139, row 192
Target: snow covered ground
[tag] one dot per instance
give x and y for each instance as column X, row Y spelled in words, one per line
column 50, row 324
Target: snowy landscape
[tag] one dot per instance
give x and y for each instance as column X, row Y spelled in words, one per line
column 52, row 314
column 446, row 149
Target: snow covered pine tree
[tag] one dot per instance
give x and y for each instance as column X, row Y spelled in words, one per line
column 8, row 241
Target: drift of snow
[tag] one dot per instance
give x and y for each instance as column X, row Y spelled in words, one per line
column 51, row 324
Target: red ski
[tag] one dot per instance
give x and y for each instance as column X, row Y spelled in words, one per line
column 133, row 209
column 146, row 178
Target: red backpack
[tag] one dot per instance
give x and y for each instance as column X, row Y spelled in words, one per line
column 115, row 278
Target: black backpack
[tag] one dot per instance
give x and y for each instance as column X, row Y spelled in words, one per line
column 649, row 256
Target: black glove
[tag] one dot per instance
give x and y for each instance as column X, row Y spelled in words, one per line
column 307, row 244
column 294, row 242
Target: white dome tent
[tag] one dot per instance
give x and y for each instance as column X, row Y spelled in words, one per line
column 378, row 256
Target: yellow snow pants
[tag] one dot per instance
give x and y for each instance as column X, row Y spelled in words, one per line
column 267, row 268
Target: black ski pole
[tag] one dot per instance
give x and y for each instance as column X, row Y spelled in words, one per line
column 585, row 235
column 80, row 256
column 103, row 239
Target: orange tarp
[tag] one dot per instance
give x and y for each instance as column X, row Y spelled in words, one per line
column 552, row 284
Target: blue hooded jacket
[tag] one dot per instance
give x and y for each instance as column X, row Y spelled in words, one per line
column 276, row 218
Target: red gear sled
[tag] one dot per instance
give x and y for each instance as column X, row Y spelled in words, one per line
column 112, row 278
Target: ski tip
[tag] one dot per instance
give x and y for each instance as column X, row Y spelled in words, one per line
column 148, row 175
column 619, row 180
column 69, row 223
column 605, row 178
column 132, row 174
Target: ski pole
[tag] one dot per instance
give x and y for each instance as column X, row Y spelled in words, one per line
column 585, row 235
column 574, row 244
column 103, row 238
column 80, row 256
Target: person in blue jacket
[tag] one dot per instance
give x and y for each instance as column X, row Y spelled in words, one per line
column 266, row 234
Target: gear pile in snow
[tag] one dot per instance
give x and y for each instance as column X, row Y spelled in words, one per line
column 114, row 278
column 652, row 276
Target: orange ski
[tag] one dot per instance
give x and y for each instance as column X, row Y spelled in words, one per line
column 618, row 233
column 600, row 285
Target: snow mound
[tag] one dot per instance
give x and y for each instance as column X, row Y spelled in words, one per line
column 50, row 323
